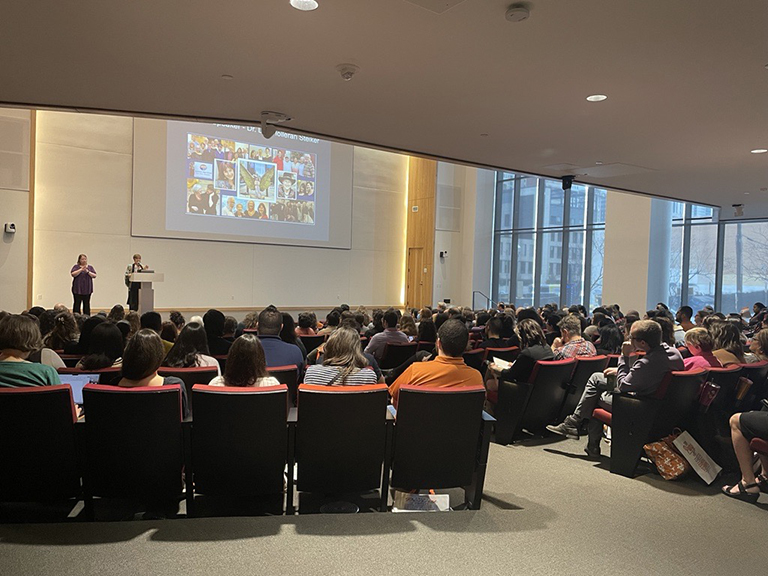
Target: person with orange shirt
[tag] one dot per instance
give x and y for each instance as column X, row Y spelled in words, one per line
column 448, row 369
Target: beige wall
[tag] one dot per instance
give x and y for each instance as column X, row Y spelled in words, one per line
column 627, row 235
column 83, row 204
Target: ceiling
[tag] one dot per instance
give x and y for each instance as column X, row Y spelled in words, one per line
column 686, row 80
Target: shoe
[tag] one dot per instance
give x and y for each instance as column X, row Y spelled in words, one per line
column 567, row 428
column 742, row 494
column 762, row 483
column 593, row 453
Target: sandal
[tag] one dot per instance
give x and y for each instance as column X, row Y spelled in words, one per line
column 742, row 494
column 762, row 483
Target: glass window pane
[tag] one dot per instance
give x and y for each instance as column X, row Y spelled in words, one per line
column 554, row 200
column 504, row 263
column 745, row 266
column 596, row 272
column 701, row 212
column 701, row 271
column 551, row 258
column 574, row 287
column 675, row 266
column 523, row 295
column 506, row 175
column 578, row 205
column 506, row 205
column 678, row 210
column 527, row 206
column 599, row 196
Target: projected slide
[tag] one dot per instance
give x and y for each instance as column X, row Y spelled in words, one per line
column 239, row 179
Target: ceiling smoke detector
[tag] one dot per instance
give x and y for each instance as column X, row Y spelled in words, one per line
column 347, row 71
column 517, row 13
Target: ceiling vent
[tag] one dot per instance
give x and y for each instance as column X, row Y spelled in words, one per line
column 436, row 6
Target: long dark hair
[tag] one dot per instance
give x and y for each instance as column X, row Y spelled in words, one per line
column 288, row 333
column 611, row 339
column 530, row 333
column 191, row 341
column 246, row 362
column 105, row 347
column 427, row 331
column 143, row 355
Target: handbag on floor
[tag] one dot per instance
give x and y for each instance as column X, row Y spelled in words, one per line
column 668, row 461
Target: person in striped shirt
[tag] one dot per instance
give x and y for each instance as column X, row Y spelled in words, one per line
column 343, row 362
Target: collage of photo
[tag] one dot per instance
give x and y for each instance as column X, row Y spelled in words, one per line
column 239, row 180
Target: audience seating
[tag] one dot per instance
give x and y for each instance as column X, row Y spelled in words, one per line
column 133, row 443
column 239, row 441
column 509, row 354
column 585, row 367
column 70, row 360
column 758, row 373
column 106, row 375
column 475, row 358
column 425, row 346
column 222, row 360
column 613, row 360
column 534, row 404
column 38, row 458
column 760, row 446
column 441, row 440
column 342, row 440
column 288, row 375
column 728, row 380
column 396, row 354
column 190, row 377
column 312, row 342
column 637, row 420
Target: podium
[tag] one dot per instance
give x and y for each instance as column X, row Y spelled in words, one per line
column 146, row 292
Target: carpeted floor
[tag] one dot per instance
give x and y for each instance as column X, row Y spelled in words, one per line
column 547, row 511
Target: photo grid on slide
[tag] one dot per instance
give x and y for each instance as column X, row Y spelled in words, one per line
column 240, row 180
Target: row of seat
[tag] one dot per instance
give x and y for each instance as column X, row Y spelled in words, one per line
column 134, row 444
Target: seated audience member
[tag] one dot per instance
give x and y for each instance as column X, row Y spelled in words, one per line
column 178, row 319
column 760, row 312
column 759, row 347
column 134, row 322
column 105, row 349
column 683, row 318
column 744, row 427
column 699, row 318
column 250, row 321
column 191, row 349
column 47, row 320
column 213, row 322
column 376, row 324
column 43, row 355
column 153, row 321
column 667, row 330
column 305, row 327
column 571, row 344
column 332, row 321
column 390, row 335
column 64, row 333
column 20, row 336
column 142, row 358
column 408, row 327
column 591, row 333
column 609, row 340
column 82, row 344
column 699, row 344
column 448, row 369
column 493, row 339
column 727, row 346
column 642, row 377
column 230, row 328
column 116, row 314
column 551, row 330
column 246, row 365
column 36, row 311
column 277, row 352
column 343, row 362
column 427, row 331
column 288, row 334
column 508, row 332
column 533, row 347
column 169, row 332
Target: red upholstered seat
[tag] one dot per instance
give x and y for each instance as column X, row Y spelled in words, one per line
column 760, row 446
column 603, row 415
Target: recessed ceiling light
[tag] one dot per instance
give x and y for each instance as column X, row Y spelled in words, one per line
column 598, row 163
column 597, row 97
column 747, row 193
column 759, row 151
column 227, row 77
column 304, row 5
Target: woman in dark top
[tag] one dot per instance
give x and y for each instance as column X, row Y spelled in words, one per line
column 610, row 340
column 427, row 331
column 142, row 357
column 82, row 345
column 82, row 284
column 105, row 348
column 533, row 347
column 214, row 327
column 288, row 333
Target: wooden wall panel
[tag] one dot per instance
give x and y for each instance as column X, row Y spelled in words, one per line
column 422, row 192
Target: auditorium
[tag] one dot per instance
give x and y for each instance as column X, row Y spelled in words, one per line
column 457, row 237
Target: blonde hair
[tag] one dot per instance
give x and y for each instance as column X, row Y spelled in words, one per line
column 343, row 351
column 700, row 338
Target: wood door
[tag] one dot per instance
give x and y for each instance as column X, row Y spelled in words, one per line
column 414, row 288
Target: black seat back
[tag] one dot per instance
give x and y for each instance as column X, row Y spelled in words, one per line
column 340, row 438
column 549, row 380
column 133, row 441
column 509, row 354
column 190, row 377
column 239, row 440
column 288, row 375
column 37, row 444
column 474, row 359
column 585, row 367
column 757, row 372
column 312, row 342
column 678, row 399
column 396, row 354
column 437, row 433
